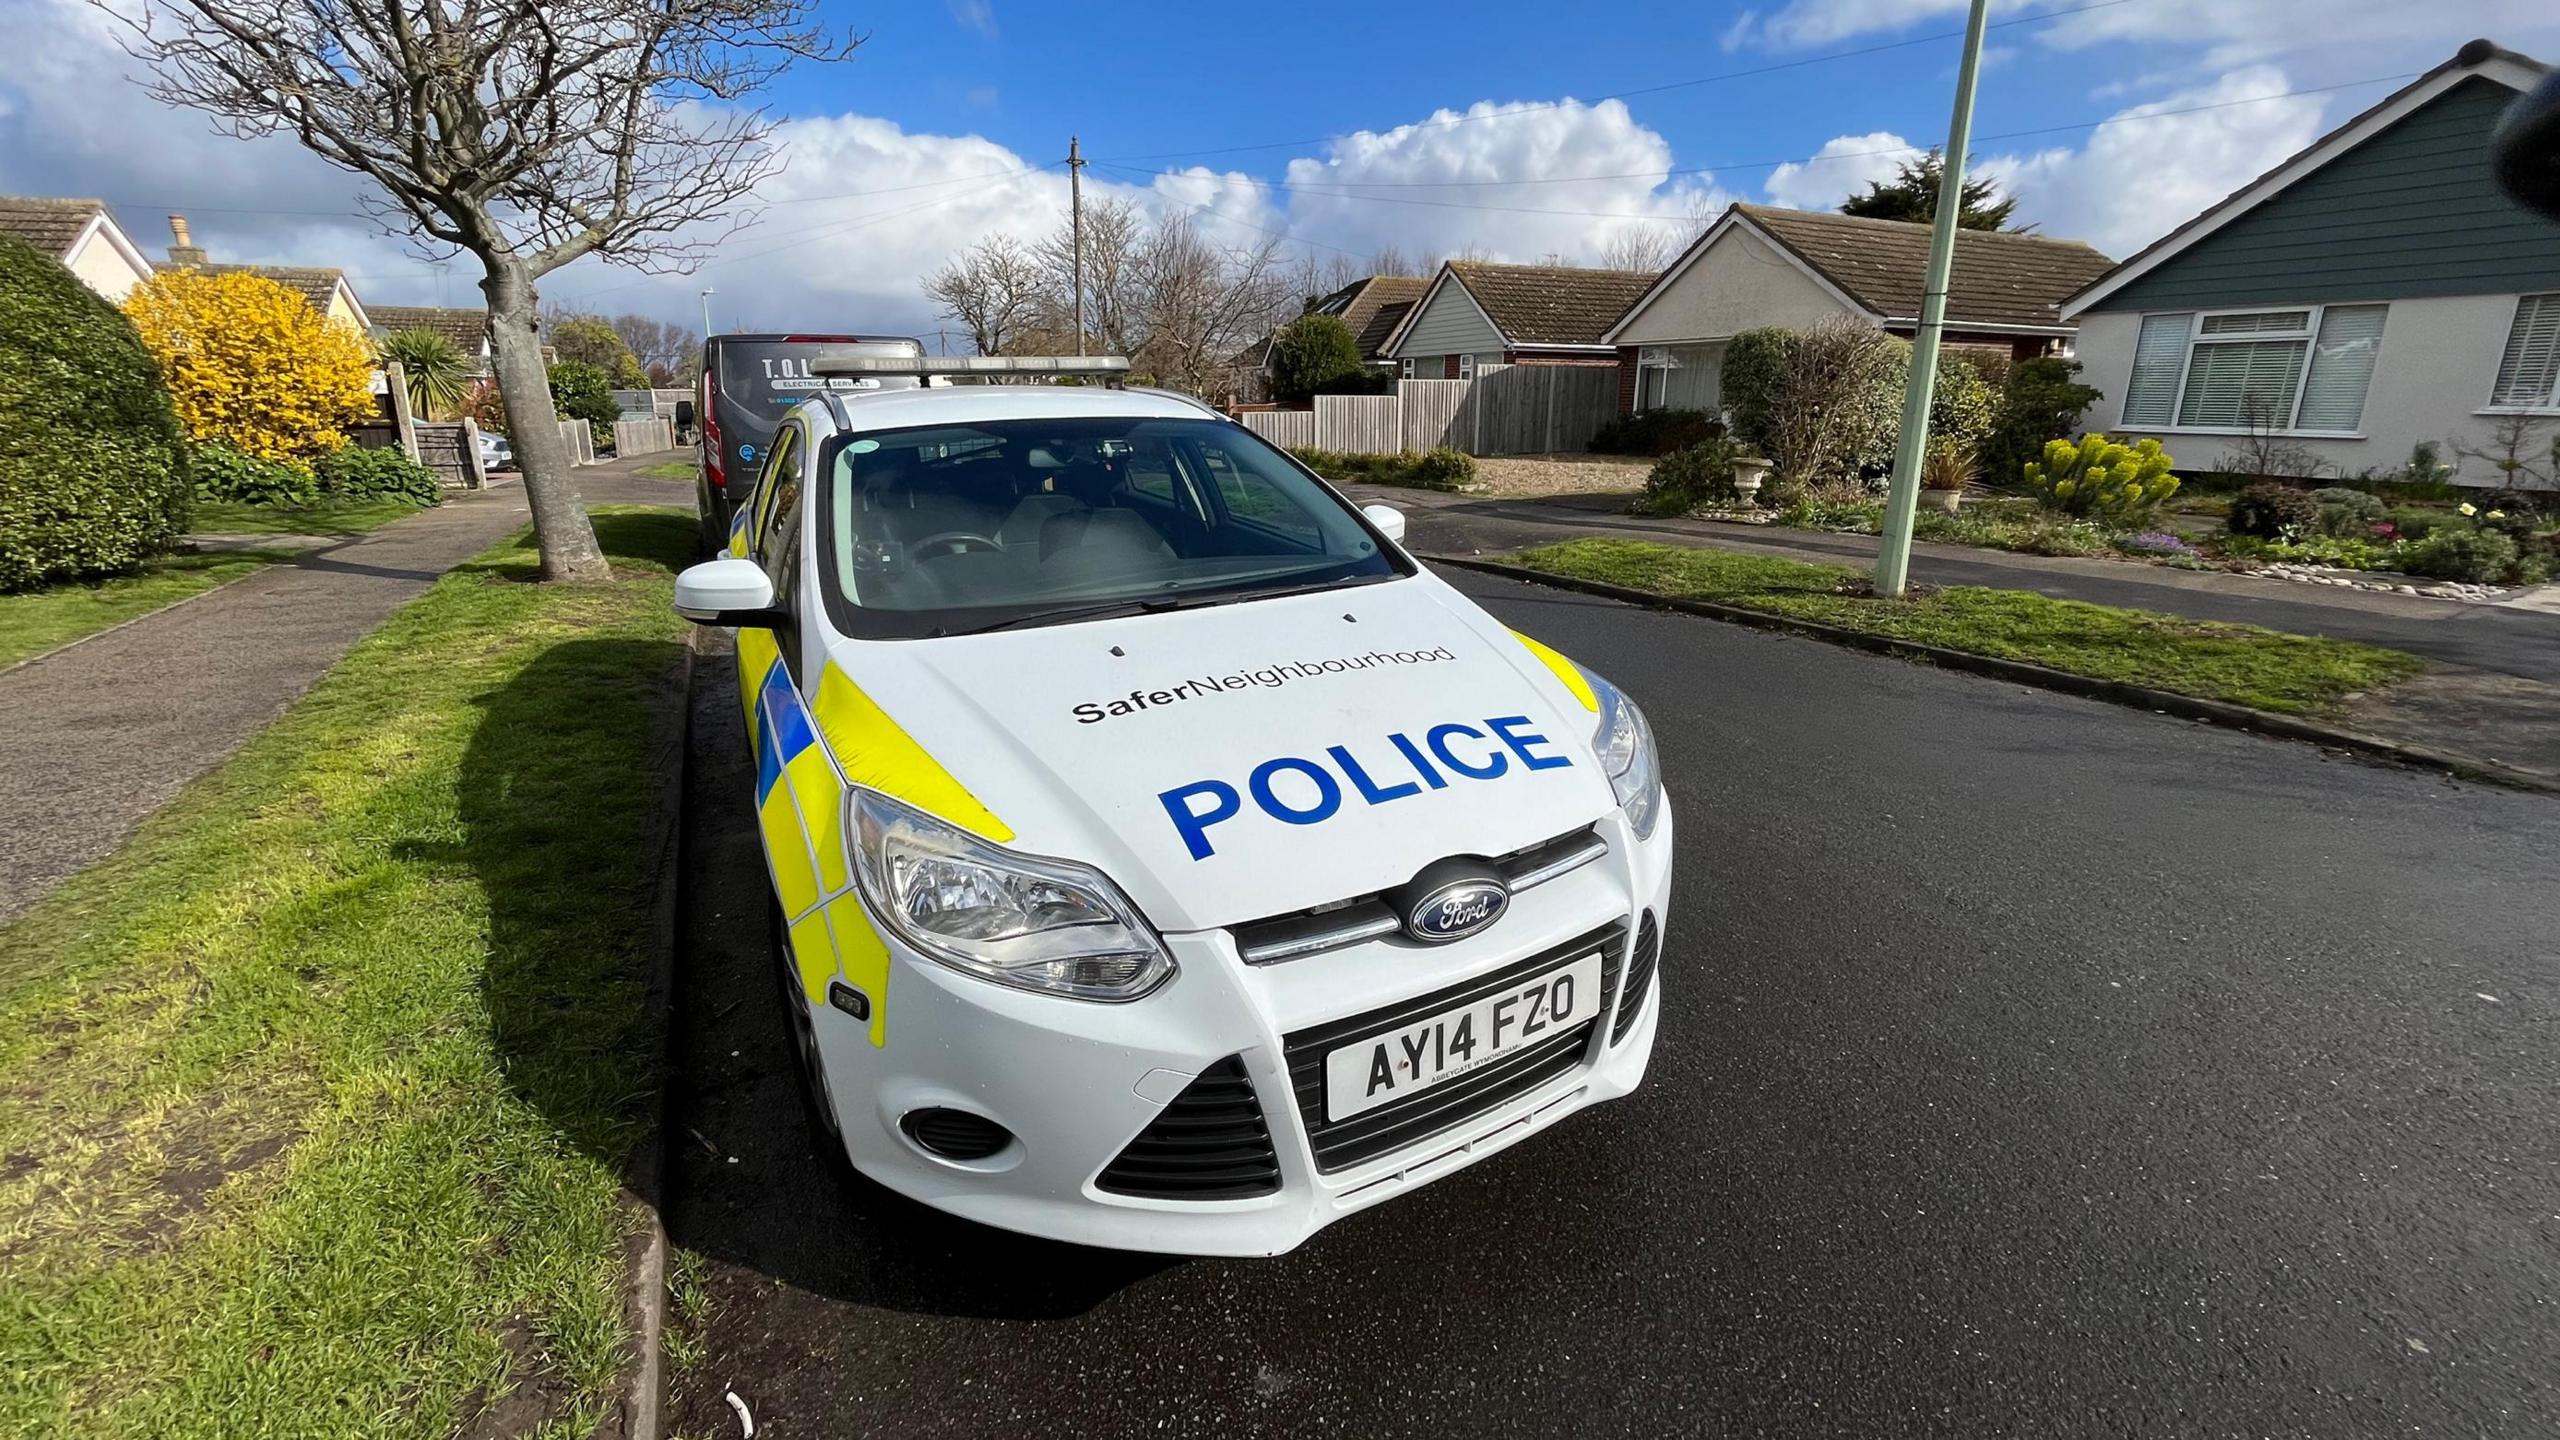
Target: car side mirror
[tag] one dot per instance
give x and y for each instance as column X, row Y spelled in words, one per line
column 2524, row 154
column 727, row 591
column 1388, row 519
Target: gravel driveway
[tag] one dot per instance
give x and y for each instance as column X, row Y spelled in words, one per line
column 1521, row 477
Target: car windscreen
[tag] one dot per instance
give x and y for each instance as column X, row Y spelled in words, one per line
column 760, row 380
column 961, row 528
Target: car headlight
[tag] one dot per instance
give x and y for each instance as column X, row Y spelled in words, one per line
column 1022, row 920
column 1625, row 743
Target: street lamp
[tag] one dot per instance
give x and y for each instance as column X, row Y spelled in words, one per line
column 707, row 293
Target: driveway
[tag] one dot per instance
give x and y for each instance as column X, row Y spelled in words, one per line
column 2030, row 1067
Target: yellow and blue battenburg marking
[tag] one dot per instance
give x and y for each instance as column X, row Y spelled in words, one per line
column 802, row 759
column 1565, row 670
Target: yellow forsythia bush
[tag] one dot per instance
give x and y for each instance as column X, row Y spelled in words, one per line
column 2103, row 478
column 252, row 365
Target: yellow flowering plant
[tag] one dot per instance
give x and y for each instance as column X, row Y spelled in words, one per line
column 2103, row 478
column 252, row 365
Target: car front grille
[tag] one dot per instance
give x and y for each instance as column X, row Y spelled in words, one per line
column 1367, row 917
column 1639, row 978
column 1210, row 1144
column 1391, row 1127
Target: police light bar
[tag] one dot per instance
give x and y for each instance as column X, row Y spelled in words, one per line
column 958, row 365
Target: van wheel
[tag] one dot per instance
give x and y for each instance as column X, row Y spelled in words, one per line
column 815, row 1097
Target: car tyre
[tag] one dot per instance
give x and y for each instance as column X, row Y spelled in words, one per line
column 809, row 1071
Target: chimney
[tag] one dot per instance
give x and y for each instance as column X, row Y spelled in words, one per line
column 185, row 251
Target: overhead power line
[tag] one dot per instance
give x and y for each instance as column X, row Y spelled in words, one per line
column 1530, row 109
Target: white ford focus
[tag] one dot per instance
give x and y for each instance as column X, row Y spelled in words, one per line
column 1165, row 860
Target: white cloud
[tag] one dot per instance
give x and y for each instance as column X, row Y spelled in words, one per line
column 2134, row 180
column 2369, row 35
column 976, row 15
column 1445, row 183
column 1841, row 168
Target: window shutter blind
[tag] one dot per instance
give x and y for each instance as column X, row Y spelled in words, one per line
column 2529, row 370
column 2157, row 356
column 2341, row 367
column 2246, row 384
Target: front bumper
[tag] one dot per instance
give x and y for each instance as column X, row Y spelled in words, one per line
column 1076, row 1082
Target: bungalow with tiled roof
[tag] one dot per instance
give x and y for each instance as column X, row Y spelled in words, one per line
column 83, row 236
column 325, row 286
column 1760, row 266
column 1477, row 314
column 1370, row 307
column 465, row 328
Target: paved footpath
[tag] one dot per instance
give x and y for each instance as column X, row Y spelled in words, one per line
column 97, row 736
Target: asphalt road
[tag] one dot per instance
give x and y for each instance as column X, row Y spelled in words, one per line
column 2030, row 1067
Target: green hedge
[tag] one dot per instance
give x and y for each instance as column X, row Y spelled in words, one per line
column 1442, row 469
column 356, row 473
column 93, row 475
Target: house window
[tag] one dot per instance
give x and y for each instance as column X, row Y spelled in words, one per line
column 2529, row 368
column 2302, row 369
column 1466, row 367
column 1654, row 364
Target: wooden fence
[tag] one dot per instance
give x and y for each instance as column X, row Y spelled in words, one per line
column 642, row 437
column 1504, row 410
column 451, row 449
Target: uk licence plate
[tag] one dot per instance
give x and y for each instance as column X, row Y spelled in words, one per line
column 1386, row 1068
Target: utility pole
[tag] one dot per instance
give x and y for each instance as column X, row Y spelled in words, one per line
column 1075, row 222
column 707, row 293
column 1893, row 557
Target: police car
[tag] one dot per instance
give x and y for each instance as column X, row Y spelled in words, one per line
column 1164, row 859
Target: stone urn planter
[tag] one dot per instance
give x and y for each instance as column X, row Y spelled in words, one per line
column 1750, row 472
column 1946, row 500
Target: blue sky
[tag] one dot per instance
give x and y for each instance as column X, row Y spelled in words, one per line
column 1433, row 128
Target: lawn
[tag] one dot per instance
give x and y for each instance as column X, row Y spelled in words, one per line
column 36, row 621
column 2241, row 664
column 319, row 1094
column 321, row 517
column 673, row 470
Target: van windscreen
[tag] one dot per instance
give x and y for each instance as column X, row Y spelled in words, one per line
column 760, row 380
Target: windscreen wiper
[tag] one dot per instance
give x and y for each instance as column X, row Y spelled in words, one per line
column 1184, row 600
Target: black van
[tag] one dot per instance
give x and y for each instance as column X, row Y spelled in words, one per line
column 748, row 383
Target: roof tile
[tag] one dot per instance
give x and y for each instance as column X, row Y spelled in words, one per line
column 49, row 225
column 2000, row 278
column 1551, row 304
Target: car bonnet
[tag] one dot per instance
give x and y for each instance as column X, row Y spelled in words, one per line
column 1244, row 760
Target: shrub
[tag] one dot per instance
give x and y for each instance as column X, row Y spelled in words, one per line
column 2158, row 542
column 1656, row 432
column 1753, row 362
column 1442, row 469
column 2479, row 557
column 2348, row 512
column 93, row 475
column 2272, row 511
column 1838, row 402
column 580, row 391
column 2103, row 479
column 222, row 473
column 592, row 340
column 1311, row 352
column 2041, row 403
column 1963, row 405
column 1688, row 478
column 252, row 364
column 386, row 474
column 485, row 406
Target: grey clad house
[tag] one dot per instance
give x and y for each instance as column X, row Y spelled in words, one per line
column 2373, row 293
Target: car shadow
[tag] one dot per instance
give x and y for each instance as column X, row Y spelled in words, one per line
column 747, row 1183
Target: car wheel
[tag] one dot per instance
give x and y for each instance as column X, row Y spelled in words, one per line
column 803, row 1030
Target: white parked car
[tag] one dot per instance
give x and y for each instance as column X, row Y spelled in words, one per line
column 1164, row 859
column 496, row 453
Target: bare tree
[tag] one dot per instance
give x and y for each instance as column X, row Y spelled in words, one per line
column 1201, row 304
column 1391, row 260
column 1316, row 276
column 994, row 289
column 1642, row 245
column 527, row 133
column 662, row 345
column 1113, row 230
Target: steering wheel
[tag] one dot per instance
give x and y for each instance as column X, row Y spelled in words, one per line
column 957, row 542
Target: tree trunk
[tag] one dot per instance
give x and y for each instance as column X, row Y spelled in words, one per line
column 560, row 529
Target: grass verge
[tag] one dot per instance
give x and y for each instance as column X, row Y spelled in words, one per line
column 40, row 620
column 315, row 1099
column 321, row 517
column 673, row 470
column 2240, row 664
